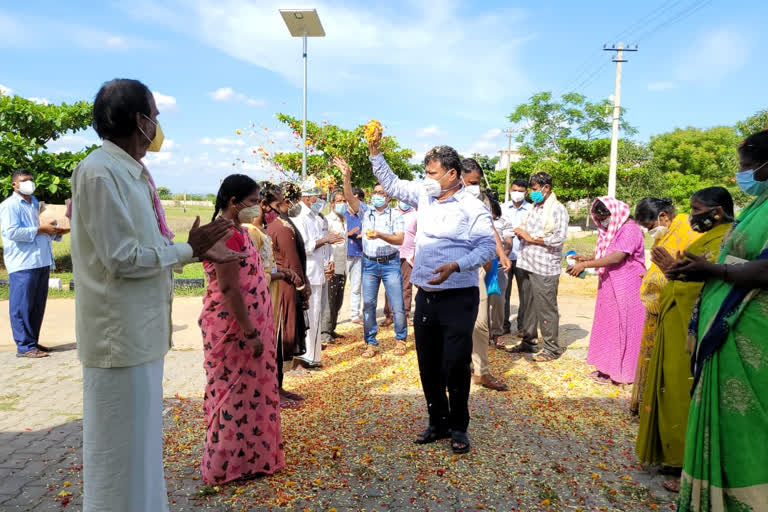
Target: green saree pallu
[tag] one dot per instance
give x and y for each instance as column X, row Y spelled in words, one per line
column 664, row 410
column 725, row 466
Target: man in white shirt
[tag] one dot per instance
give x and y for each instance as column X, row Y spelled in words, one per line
column 317, row 242
column 455, row 237
column 513, row 212
column 337, row 223
column 123, row 257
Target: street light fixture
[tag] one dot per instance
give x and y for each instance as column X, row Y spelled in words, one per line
column 303, row 23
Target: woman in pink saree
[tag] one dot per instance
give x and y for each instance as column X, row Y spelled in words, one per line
column 619, row 258
column 243, row 438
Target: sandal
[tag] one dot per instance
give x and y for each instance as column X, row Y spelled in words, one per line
column 289, row 395
column 600, row 377
column 459, row 442
column 432, row 434
column 499, row 343
column 490, row 382
column 290, row 404
column 523, row 348
column 34, row 354
column 370, row 352
column 400, row 348
column 672, row 485
column 544, row 357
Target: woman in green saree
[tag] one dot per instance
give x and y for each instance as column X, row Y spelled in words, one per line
column 725, row 465
column 664, row 410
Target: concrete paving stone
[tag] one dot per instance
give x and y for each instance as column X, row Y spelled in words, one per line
column 13, row 462
column 39, row 447
column 12, row 485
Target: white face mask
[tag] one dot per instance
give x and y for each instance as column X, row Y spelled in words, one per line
column 517, row 196
column 657, row 232
column 473, row 189
column 27, row 188
column 605, row 223
column 432, row 186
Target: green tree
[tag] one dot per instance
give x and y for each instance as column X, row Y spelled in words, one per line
column 546, row 122
column 327, row 140
column 25, row 130
column 164, row 193
column 690, row 159
column 753, row 124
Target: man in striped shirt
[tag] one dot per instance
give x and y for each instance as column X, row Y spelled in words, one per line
column 454, row 238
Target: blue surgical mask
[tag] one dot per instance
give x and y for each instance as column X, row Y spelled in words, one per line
column 318, row 205
column 403, row 206
column 340, row 208
column 378, row 201
column 537, row 196
column 747, row 182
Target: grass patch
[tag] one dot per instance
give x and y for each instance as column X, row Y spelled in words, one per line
column 178, row 220
column 9, row 401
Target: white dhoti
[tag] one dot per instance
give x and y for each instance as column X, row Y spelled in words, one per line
column 123, row 439
column 318, row 301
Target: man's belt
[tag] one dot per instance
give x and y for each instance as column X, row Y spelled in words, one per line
column 382, row 259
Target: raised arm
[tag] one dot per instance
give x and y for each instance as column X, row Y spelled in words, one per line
column 404, row 190
column 346, row 171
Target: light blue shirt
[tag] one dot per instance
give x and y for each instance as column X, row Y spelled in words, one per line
column 387, row 221
column 514, row 217
column 23, row 248
column 458, row 229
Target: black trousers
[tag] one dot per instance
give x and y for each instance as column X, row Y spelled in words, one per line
column 442, row 323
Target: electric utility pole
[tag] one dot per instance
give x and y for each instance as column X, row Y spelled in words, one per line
column 509, row 132
column 618, row 59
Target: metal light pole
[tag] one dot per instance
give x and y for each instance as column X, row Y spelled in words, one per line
column 303, row 23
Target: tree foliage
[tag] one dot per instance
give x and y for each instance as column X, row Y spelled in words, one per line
column 690, row 159
column 327, row 140
column 546, row 122
column 25, row 130
column 753, row 124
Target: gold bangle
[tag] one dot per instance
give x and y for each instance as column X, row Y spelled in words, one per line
column 300, row 288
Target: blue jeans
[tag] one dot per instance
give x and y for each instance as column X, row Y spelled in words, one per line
column 27, row 298
column 373, row 274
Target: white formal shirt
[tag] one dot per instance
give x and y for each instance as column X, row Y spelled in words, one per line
column 458, row 229
column 122, row 263
column 312, row 228
column 513, row 217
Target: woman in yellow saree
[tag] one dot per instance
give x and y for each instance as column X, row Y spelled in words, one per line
column 672, row 233
column 725, row 465
column 664, row 409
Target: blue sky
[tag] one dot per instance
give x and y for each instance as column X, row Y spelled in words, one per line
column 438, row 72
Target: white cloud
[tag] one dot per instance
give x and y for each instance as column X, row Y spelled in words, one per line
column 5, row 91
column 72, row 142
column 715, row 55
column 489, row 143
column 164, row 103
column 25, row 31
column 370, row 46
column 430, row 131
column 227, row 94
column 222, row 141
column 115, row 41
column 169, row 145
column 39, row 101
column 661, row 86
